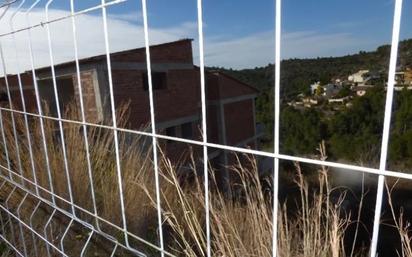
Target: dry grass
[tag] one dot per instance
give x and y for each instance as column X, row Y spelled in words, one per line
column 317, row 228
column 135, row 163
column 241, row 226
column 401, row 224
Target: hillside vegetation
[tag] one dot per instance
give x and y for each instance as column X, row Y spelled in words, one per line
column 351, row 133
column 298, row 74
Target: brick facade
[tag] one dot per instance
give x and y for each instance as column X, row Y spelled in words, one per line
column 92, row 107
column 235, row 114
column 176, row 83
column 28, row 92
column 174, row 52
column 179, row 99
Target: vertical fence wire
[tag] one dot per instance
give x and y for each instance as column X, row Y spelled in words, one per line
column 82, row 112
column 5, row 148
column 386, row 124
column 153, row 124
column 6, row 203
column 95, row 229
column 23, row 240
column 59, row 115
column 13, row 121
column 204, row 124
column 114, row 121
column 38, row 101
column 22, row 98
column 33, row 236
column 276, row 119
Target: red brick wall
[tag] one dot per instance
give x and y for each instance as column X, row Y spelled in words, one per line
column 212, row 87
column 212, row 123
column 30, row 100
column 28, row 92
column 220, row 86
column 128, row 89
column 175, row 52
column 230, row 87
column 239, row 121
column 89, row 95
column 180, row 98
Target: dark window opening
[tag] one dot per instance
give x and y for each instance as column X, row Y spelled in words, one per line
column 187, row 130
column 65, row 93
column 3, row 96
column 171, row 131
column 159, row 81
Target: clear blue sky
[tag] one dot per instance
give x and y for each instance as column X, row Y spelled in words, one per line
column 371, row 18
column 240, row 33
column 363, row 18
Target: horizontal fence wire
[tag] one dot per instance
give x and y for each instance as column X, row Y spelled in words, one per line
column 16, row 183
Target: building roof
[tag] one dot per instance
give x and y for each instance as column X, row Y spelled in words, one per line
column 99, row 58
column 102, row 57
column 219, row 73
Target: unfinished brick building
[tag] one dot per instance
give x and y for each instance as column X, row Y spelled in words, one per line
column 176, row 84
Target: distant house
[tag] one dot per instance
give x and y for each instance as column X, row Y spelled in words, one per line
column 176, row 83
column 314, row 87
column 358, row 77
column 403, row 77
column 331, row 90
column 401, row 88
column 328, row 91
column 400, row 78
column 371, row 79
column 408, row 76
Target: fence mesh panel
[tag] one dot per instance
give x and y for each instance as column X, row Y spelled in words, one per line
column 28, row 167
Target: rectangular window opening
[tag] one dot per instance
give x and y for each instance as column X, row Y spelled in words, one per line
column 187, row 130
column 159, row 80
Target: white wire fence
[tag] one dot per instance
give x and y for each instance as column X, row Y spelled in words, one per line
column 43, row 200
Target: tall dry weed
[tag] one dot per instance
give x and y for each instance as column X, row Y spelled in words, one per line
column 240, row 225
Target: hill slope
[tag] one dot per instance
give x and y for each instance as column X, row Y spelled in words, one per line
column 298, row 74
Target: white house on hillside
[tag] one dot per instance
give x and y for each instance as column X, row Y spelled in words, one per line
column 313, row 87
column 399, row 77
column 328, row 91
column 358, row 77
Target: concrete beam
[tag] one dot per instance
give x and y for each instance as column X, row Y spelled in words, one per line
column 155, row 66
column 231, row 99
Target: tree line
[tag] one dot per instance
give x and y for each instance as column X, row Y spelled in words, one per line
column 352, row 133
